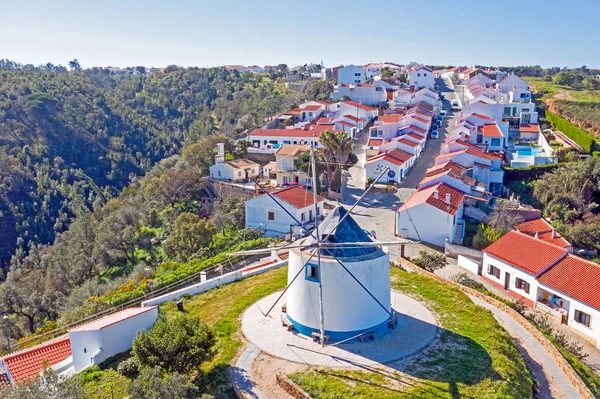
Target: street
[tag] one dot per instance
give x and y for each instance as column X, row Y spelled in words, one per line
column 377, row 211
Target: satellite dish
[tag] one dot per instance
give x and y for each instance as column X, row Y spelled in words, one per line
column 391, row 174
column 373, row 234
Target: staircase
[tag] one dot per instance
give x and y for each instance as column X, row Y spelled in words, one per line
column 459, row 232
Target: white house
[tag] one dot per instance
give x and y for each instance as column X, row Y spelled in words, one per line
column 236, row 170
column 364, row 93
column 263, row 212
column 547, row 277
column 351, row 74
column 515, row 87
column 398, row 162
column 284, row 166
column 433, row 214
column 272, row 139
column 96, row 341
column 358, row 110
column 421, row 76
column 542, row 230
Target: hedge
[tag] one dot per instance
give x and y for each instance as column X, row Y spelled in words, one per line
column 532, row 172
column 585, row 140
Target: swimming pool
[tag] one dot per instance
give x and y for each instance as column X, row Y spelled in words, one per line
column 530, row 151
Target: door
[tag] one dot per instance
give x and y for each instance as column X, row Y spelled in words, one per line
column 247, row 174
column 506, row 280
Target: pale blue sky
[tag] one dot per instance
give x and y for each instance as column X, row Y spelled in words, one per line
column 206, row 33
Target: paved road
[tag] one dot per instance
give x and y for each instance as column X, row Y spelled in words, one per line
column 553, row 381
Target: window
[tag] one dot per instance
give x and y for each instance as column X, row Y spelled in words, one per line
column 425, row 74
column 495, row 142
column 525, row 110
column 582, row 318
column 418, row 74
column 506, row 111
column 239, row 173
column 219, row 173
column 302, row 217
column 514, row 111
column 310, row 114
column 526, row 118
column 271, row 215
column 493, row 271
column 309, row 214
column 522, row 285
column 312, row 272
column 357, row 74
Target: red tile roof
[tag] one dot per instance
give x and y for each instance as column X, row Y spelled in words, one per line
column 575, row 277
column 111, row 319
column 468, row 145
column 427, row 195
column 346, row 124
column 416, row 136
column 30, row 362
column 311, row 108
column 485, row 155
column 525, row 252
column 375, row 142
column 353, row 118
column 296, row 196
column 397, row 157
column 483, row 117
column 490, row 130
column 450, row 165
column 545, row 232
column 361, row 106
column 408, row 142
column 529, row 128
column 389, row 118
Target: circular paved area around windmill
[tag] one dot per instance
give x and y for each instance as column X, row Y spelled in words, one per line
column 416, row 328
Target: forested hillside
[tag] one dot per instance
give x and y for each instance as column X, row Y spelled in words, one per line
column 71, row 140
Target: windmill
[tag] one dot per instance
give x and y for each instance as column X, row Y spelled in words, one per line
column 346, row 268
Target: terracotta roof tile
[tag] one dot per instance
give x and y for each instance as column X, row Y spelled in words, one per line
column 427, row 195
column 525, row 252
column 353, row 118
column 292, row 149
column 30, row 362
column 544, row 230
column 361, row 106
column 296, row 196
column 311, row 108
column 490, row 130
column 575, row 277
column 529, row 128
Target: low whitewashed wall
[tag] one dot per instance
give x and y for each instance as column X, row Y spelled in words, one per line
column 212, row 283
column 453, row 250
column 468, row 264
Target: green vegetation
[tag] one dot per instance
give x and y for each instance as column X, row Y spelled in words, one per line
column 585, row 140
column 430, row 261
column 550, row 89
column 476, row 357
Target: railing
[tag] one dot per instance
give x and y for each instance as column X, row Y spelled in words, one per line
column 549, row 310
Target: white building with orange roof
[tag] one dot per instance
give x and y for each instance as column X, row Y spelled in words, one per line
column 285, row 171
column 541, row 229
column 421, row 76
column 266, row 213
column 433, row 214
column 398, row 161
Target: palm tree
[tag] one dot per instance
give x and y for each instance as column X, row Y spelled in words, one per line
column 336, row 147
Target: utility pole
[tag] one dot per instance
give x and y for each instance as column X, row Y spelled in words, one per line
column 315, row 200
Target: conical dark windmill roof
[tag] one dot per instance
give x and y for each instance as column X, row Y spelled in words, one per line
column 347, row 232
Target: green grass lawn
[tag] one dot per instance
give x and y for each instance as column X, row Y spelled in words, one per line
column 548, row 90
column 220, row 308
column 476, row 357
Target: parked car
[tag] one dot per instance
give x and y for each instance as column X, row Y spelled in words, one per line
column 443, row 112
column 434, row 134
column 455, row 105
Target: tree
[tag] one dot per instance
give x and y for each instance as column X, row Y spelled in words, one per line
column 49, row 386
column 74, row 64
column 182, row 344
column 584, row 233
column 430, row 261
column 229, row 214
column 336, row 147
column 503, row 220
column 176, row 186
column 152, row 383
column 190, row 234
column 201, row 155
column 486, row 235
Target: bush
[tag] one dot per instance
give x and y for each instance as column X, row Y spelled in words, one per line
column 576, row 134
column 181, row 344
column 152, row 384
column 128, row 368
column 430, row 261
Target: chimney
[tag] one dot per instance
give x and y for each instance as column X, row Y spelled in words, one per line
column 553, row 233
column 537, row 235
column 220, row 157
column 448, row 198
column 435, row 194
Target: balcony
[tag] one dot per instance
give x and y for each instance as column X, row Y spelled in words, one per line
column 551, row 311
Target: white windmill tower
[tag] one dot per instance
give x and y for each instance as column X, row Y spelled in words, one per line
column 338, row 278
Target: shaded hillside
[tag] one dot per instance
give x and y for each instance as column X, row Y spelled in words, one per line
column 69, row 141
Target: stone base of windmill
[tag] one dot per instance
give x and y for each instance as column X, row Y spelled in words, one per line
column 415, row 330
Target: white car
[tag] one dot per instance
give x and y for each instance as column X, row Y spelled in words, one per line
column 455, row 104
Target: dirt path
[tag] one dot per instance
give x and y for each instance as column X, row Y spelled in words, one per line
column 564, row 95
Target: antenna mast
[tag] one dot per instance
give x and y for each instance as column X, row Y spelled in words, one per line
column 315, row 200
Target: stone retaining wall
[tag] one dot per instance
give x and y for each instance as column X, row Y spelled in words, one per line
column 552, row 350
column 291, row 387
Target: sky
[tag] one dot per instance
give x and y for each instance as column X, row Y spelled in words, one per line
column 209, row 33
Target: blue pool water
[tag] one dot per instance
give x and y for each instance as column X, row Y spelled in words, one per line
column 530, row 151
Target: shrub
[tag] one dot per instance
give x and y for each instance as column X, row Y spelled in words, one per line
column 128, row 368
column 430, row 261
column 153, row 384
column 181, row 344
